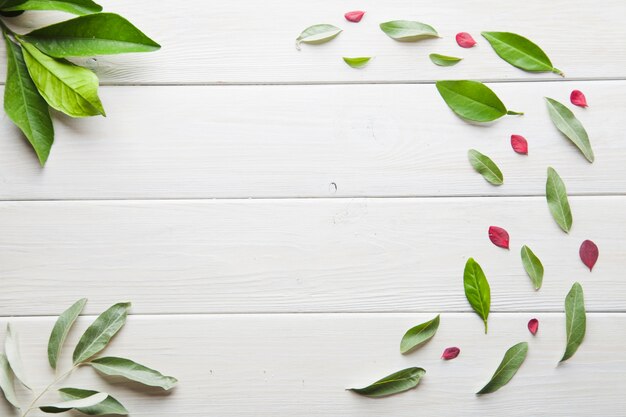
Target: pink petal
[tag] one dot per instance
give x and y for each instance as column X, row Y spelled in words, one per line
column 533, row 326
column 499, row 236
column 354, row 16
column 519, row 144
column 589, row 253
column 578, row 98
column 450, row 353
column 465, row 40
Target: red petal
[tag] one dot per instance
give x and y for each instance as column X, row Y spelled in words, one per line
column 589, row 253
column 519, row 144
column 354, row 16
column 578, row 98
column 465, row 40
column 533, row 326
column 499, row 236
column 450, row 353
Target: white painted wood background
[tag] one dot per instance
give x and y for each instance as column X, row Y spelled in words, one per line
column 279, row 219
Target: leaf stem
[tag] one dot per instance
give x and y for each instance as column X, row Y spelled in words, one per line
column 514, row 113
column 58, row 379
column 486, row 326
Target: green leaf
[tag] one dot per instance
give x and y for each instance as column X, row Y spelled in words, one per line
column 135, row 372
column 318, row 34
column 12, row 351
column 61, row 329
column 444, row 60
column 79, row 7
column 556, row 194
column 75, row 404
column 477, row 289
column 358, row 62
column 472, row 100
column 5, row 4
column 66, row 87
column 520, row 52
column 570, row 126
column 486, row 167
column 96, row 34
column 575, row 320
column 110, row 406
column 418, row 335
column 408, row 31
column 7, row 385
column 25, row 106
column 513, row 359
column 395, row 383
column 533, row 266
column 100, row 333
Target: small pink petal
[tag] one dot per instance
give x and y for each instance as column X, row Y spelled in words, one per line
column 354, row 16
column 519, row 144
column 589, row 253
column 578, row 98
column 465, row 40
column 533, row 326
column 499, row 236
column 450, row 353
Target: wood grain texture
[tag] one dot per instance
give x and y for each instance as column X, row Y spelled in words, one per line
column 285, row 365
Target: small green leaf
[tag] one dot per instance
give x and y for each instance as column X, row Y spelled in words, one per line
column 513, row 359
column 556, row 194
column 408, row 31
column 472, row 100
column 486, row 167
column 318, row 34
column 533, row 266
column 477, row 289
column 96, row 34
column 110, row 406
column 100, row 333
column 418, row 335
column 135, row 372
column 520, row 52
column 358, row 62
column 575, row 320
column 66, row 87
column 75, row 404
column 570, row 126
column 12, row 350
column 79, row 7
column 7, row 385
column 61, row 329
column 393, row 384
column 444, row 60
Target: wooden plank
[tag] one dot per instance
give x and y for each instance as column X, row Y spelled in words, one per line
column 312, row 141
column 288, row 365
column 319, row 255
column 253, row 42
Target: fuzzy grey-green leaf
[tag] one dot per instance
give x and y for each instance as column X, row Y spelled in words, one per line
column 61, row 329
column 318, row 34
column 418, row 335
column 558, row 203
column 520, row 52
column 533, row 266
column 570, row 126
column 444, row 60
column 12, row 351
column 357, row 62
column 486, row 167
column 75, row 404
column 110, row 406
column 575, row 320
column 513, row 359
column 408, row 31
column 477, row 290
column 395, row 383
column 472, row 100
column 135, row 372
column 7, row 384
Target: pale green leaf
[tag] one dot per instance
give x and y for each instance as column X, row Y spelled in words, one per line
column 61, row 329
column 12, row 350
column 533, row 266
column 575, row 320
column 520, row 52
column 556, row 195
column 477, row 290
column 392, row 384
column 408, row 31
column 79, row 7
column 110, row 406
column 486, row 167
column 570, row 126
column 358, row 62
column 418, row 335
column 75, row 404
column 7, row 385
column 318, row 34
column 444, row 60
column 513, row 359
column 135, row 372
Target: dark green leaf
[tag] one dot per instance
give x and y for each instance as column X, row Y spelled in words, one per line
column 79, row 7
column 61, row 329
column 575, row 320
column 408, row 31
column 520, row 52
column 444, row 60
column 75, row 404
column 513, row 359
column 110, row 406
column 6, row 4
column 477, row 289
column 418, row 335
column 570, row 126
column 395, row 383
column 7, row 384
column 486, row 167
column 358, row 62
column 317, row 34
column 533, row 266
column 556, row 194
column 133, row 371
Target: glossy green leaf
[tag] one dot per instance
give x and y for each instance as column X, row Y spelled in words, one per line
column 7, row 385
column 100, row 333
column 393, row 384
column 12, row 351
column 61, row 329
column 358, row 62
column 318, row 34
column 418, row 335
column 444, row 60
column 472, row 100
column 513, row 359
column 66, row 87
column 135, row 372
column 25, row 106
column 533, row 266
column 570, row 126
column 486, row 167
column 520, row 52
column 408, row 31
column 79, row 7
column 575, row 320
column 75, row 404
column 110, row 406
column 96, row 34
column 477, row 289
column 556, row 195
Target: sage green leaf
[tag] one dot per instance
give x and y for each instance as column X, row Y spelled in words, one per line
column 135, row 372
column 520, row 52
column 575, row 320
column 556, row 194
column 477, row 290
column 75, row 404
column 79, row 7
column 12, row 351
column 408, row 31
column 61, row 329
column 570, row 126
column 318, row 34
column 444, row 60
column 96, row 34
column 533, row 266
column 110, row 406
column 358, row 62
column 25, row 106
column 486, row 167
column 66, row 87
column 7, row 385
column 395, row 383
column 100, row 333
column 418, row 335
column 472, row 100
column 513, row 359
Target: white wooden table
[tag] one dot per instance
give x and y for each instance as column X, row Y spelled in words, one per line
column 279, row 219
